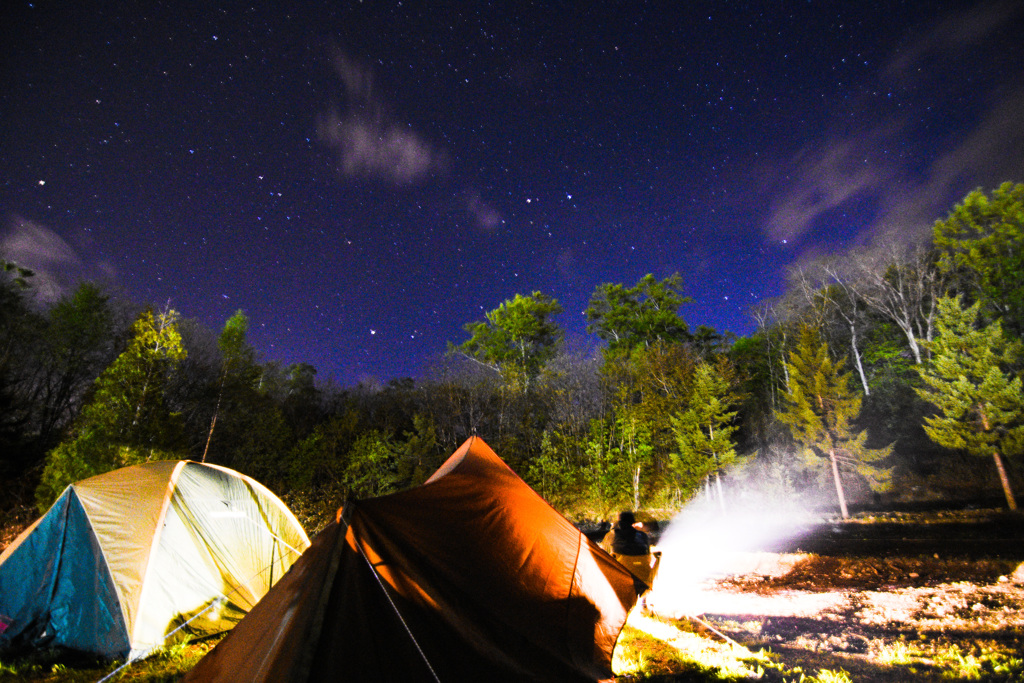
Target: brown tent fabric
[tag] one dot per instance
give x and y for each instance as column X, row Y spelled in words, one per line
column 471, row 576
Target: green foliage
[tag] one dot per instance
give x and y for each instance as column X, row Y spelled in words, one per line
column 981, row 405
column 982, row 241
column 703, row 432
column 317, row 462
column 517, row 338
column 371, row 466
column 343, row 461
column 606, row 479
column 551, row 474
column 620, row 459
column 638, row 316
column 818, row 409
column 654, row 384
column 421, row 453
column 125, row 421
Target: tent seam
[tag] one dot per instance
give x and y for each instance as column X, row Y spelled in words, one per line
column 305, row 664
column 165, row 505
column 103, row 554
column 380, row 582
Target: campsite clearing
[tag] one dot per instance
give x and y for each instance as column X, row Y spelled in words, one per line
column 921, row 597
column 866, row 597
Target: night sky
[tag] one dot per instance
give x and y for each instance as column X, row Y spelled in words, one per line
column 364, row 178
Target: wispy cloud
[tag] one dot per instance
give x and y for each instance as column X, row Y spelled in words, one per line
column 992, row 152
column 859, row 165
column 822, row 180
column 484, row 216
column 369, row 140
column 55, row 263
column 950, row 35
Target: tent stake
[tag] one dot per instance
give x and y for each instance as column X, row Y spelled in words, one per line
column 715, row 631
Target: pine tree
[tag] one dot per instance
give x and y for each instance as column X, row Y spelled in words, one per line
column 703, row 432
column 981, row 406
column 819, row 407
column 981, row 244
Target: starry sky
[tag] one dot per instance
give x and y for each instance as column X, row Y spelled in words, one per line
column 364, row 178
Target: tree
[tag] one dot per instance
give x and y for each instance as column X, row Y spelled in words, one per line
column 238, row 368
column 829, row 293
column 982, row 242
column 703, row 432
column 619, row 460
column 654, row 384
column 517, row 338
column 902, row 284
column 19, row 326
column 819, row 407
column 639, row 316
column 125, row 422
column 372, row 466
column 981, row 406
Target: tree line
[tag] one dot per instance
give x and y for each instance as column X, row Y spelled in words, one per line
column 893, row 370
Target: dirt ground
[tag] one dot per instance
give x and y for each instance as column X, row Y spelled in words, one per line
column 892, row 599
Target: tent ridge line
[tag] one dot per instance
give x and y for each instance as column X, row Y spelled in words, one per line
column 73, row 498
column 172, row 482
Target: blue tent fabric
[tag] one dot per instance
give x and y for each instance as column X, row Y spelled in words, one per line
column 41, row 581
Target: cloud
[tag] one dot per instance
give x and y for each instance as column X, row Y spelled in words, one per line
column 369, row 141
column 55, row 263
column 484, row 215
column 949, row 36
column 911, row 189
column 990, row 153
column 824, row 180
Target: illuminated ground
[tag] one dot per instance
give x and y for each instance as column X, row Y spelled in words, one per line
column 903, row 613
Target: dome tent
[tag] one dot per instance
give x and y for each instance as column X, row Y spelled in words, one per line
column 471, row 576
column 123, row 558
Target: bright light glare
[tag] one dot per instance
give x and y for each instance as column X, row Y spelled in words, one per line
column 703, row 543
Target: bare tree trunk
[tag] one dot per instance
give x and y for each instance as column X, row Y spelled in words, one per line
column 856, row 359
column 209, row 435
column 636, row 488
column 839, row 483
column 1010, row 500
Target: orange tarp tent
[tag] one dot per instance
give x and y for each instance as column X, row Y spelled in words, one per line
column 471, row 576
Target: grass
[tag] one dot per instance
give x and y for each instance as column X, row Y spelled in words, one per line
column 650, row 649
column 59, row 665
column 664, row 650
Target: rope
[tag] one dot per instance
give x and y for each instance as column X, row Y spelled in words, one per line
column 221, row 599
column 373, row 570
column 714, row 630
